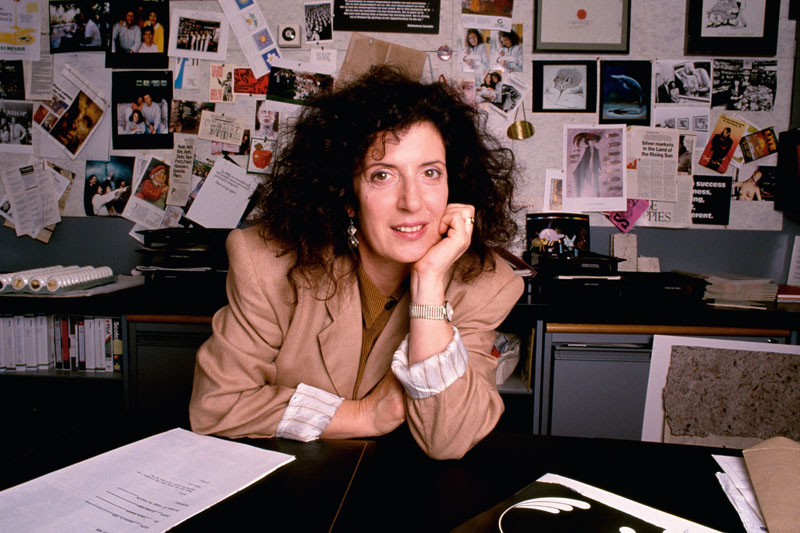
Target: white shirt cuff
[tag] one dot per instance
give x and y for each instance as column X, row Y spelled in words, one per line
column 434, row 374
column 308, row 414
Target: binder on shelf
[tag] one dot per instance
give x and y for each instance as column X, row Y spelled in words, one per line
column 19, row 343
column 118, row 347
column 7, row 347
column 65, row 359
column 108, row 346
column 81, row 334
column 91, row 344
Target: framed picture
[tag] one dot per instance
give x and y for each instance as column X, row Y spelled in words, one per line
column 725, row 28
column 139, row 35
column 625, row 92
column 565, row 86
column 580, row 26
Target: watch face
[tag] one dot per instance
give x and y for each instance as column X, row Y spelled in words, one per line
column 448, row 312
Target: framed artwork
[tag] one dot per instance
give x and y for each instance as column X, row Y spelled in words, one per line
column 580, row 26
column 565, row 86
column 728, row 28
column 625, row 88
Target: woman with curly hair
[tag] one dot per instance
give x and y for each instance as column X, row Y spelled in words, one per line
column 367, row 293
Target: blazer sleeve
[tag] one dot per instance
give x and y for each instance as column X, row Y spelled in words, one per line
column 449, row 424
column 234, row 392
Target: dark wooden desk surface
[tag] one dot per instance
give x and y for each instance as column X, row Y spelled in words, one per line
column 388, row 484
column 399, row 489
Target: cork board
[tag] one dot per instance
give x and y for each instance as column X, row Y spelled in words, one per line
column 721, row 392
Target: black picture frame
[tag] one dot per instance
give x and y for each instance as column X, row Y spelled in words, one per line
column 563, row 23
column 577, row 75
column 625, row 92
column 702, row 22
column 127, row 88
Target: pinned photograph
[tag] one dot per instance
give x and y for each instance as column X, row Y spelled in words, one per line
column 318, row 21
column 291, row 83
column 139, row 35
column 475, row 50
column 198, row 35
column 507, row 49
column 79, row 26
column 12, row 81
column 760, row 184
column 107, row 186
column 185, row 115
column 141, row 102
column 683, row 82
column 745, row 84
column 16, row 120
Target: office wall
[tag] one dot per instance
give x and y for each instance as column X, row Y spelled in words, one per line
column 657, row 30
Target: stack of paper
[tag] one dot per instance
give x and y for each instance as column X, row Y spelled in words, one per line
column 736, row 290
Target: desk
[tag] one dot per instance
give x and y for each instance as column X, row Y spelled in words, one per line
column 388, row 484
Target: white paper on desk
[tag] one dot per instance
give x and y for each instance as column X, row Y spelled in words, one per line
column 739, row 489
column 153, row 484
column 223, row 197
column 659, row 518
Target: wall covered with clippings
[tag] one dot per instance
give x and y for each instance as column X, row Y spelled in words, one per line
column 657, row 36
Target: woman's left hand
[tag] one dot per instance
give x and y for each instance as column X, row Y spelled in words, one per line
column 456, row 228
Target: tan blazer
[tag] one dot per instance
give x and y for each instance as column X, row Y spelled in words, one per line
column 263, row 346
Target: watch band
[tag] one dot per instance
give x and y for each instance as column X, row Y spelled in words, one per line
column 431, row 312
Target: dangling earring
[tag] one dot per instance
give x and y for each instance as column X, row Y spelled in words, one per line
column 351, row 234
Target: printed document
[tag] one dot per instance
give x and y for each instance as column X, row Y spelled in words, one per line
column 150, row 485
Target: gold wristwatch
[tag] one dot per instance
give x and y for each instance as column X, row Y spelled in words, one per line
column 432, row 312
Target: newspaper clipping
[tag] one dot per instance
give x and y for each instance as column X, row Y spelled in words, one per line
column 72, row 114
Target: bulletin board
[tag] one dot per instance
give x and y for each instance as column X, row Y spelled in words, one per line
column 655, row 37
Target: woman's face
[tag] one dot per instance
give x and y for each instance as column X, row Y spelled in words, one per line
column 472, row 39
column 402, row 197
column 505, row 41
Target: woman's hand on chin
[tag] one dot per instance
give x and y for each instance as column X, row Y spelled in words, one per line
column 456, row 229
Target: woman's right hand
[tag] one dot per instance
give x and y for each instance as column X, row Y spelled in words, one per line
column 378, row 413
column 383, row 409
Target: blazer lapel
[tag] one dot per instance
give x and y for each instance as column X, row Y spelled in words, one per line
column 340, row 342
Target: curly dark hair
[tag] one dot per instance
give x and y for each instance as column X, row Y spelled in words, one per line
column 303, row 205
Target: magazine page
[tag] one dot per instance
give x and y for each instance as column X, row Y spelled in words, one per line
column 72, row 114
column 594, row 168
column 20, row 29
column 148, row 203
